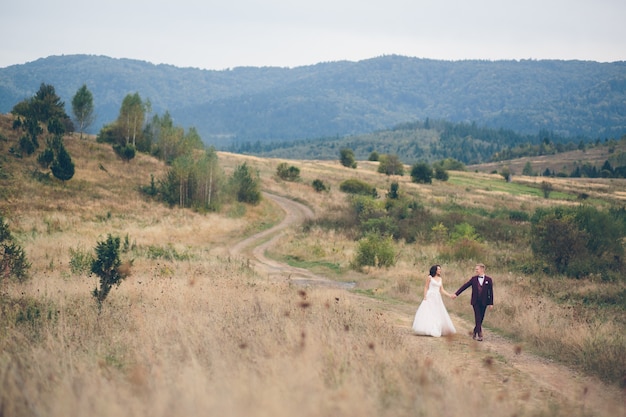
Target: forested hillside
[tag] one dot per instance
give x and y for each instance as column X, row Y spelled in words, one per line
column 420, row 141
column 336, row 99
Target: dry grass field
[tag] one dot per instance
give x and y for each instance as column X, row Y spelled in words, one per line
column 197, row 331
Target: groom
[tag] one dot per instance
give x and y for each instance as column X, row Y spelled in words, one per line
column 482, row 296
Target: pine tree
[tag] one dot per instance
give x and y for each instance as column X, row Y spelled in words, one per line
column 62, row 167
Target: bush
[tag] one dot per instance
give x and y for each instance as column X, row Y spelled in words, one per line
column 288, row 173
column 518, row 216
column 546, row 187
column 13, row 262
column 354, row 186
column 462, row 250
column 384, row 226
column 391, row 165
column 463, row 231
column 421, row 172
column 45, row 158
column 26, row 145
column 375, row 250
column 441, row 174
column 557, row 240
column 346, row 157
column 125, row 152
column 366, row 208
column 578, row 241
column 80, row 261
column 394, row 192
column 319, row 186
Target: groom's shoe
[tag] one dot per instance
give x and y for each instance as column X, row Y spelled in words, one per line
column 475, row 336
column 480, row 338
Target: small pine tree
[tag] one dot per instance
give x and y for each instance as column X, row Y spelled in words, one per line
column 45, row 158
column 528, row 169
column 247, row 187
column 13, row 262
column 106, row 266
column 394, row 191
column 62, row 167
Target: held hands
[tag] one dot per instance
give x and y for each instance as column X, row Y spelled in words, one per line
column 453, row 296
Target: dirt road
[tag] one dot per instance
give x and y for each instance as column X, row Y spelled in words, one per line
column 257, row 245
column 512, row 370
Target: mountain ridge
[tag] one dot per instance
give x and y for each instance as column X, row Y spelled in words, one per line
column 571, row 98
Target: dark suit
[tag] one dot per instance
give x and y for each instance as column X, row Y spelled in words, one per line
column 482, row 296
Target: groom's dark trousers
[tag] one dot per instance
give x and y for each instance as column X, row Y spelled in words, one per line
column 482, row 296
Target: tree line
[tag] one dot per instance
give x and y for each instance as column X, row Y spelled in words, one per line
column 194, row 178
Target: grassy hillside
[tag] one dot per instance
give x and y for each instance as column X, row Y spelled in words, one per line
column 194, row 331
column 560, row 163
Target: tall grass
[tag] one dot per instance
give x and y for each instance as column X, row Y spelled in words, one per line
column 194, row 331
column 214, row 338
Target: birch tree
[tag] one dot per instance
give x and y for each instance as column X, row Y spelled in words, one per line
column 131, row 117
column 82, row 107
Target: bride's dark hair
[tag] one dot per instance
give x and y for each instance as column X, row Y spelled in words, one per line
column 433, row 270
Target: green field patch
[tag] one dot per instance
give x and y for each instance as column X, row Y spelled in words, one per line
column 295, row 261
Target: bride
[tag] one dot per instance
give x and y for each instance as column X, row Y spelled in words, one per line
column 431, row 318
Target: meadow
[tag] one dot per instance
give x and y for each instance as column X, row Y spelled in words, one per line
column 194, row 330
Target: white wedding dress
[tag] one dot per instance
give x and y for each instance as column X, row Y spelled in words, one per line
column 432, row 318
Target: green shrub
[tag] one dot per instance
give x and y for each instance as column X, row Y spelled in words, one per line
column 80, row 261
column 462, row 250
column 346, row 158
column 125, row 152
column 383, row 226
column 319, row 186
column 168, row 253
column 578, row 241
column 518, row 216
column 246, row 185
column 441, row 174
column 288, row 173
column 106, row 266
column 421, row 172
column 463, row 231
column 13, row 262
column 390, row 165
column 355, row 186
column 375, row 250
column 366, row 208
column 394, row 192
column 30, row 314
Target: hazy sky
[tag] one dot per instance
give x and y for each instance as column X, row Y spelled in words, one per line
column 229, row 33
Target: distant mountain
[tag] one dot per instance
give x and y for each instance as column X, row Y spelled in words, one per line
column 336, row 99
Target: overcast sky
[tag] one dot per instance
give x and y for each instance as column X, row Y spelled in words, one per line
column 223, row 34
